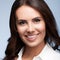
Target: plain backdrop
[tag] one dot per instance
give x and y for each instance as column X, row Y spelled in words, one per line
column 5, row 8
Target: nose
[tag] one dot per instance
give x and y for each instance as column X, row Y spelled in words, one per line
column 30, row 28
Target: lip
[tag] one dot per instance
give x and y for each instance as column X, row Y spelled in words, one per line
column 31, row 37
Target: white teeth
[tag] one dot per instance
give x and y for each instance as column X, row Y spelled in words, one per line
column 31, row 36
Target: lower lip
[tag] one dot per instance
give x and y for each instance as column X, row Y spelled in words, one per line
column 31, row 39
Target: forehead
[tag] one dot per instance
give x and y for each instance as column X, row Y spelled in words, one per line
column 27, row 12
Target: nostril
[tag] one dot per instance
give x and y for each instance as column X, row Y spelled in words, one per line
column 30, row 29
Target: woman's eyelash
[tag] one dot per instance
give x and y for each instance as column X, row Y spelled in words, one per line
column 36, row 20
column 22, row 22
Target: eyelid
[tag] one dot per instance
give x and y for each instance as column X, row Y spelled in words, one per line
column 21, row 22
column 36, row 20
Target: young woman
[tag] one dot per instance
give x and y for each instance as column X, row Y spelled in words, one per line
column 33, row 30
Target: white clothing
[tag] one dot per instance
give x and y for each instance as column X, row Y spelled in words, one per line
column 47, row 54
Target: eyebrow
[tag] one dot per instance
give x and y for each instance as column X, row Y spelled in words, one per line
column 25, row 19
column 20, row 20
column 36, row 18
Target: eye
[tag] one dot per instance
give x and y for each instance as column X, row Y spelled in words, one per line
column 36, row 20
column 21, row 22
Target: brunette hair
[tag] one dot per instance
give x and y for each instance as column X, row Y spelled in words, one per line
column 15, row 43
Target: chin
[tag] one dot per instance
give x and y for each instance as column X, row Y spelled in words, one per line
column 33, row 44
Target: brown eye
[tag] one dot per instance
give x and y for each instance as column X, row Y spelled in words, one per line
column 36, row 20
column 21, row 22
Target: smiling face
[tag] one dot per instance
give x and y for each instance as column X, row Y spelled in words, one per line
column 30, row 26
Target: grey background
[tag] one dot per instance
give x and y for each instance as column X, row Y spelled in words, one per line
column 5, row 7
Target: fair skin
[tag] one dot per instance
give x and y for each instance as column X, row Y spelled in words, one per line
column 31, row 29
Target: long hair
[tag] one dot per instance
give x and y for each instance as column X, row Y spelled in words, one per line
column 15, row 43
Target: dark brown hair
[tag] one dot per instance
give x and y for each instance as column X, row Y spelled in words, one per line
column 15, row 43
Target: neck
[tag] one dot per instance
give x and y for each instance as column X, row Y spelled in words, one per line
column 33, row 51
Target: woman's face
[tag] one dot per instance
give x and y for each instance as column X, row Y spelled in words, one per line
column 30, row 26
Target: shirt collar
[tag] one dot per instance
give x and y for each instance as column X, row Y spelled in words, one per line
column 45, row 52
column 20, row 54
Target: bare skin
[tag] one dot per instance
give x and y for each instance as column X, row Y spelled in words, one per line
column 30, row 53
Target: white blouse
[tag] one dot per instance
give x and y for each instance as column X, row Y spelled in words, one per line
column 47, row 54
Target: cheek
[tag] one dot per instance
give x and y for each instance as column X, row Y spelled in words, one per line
column 42, row 30
column 20, row 30
column 41, row 27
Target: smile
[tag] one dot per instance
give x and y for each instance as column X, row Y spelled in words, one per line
column 31, row 37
